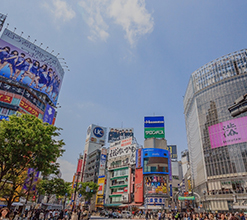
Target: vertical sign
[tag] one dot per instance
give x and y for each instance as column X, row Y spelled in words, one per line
column 49, row 114
column 139, row 185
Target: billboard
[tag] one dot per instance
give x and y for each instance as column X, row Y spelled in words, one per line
column 101, row 183
column 118, row 151
column 228, row 132
column 154, row 133
column 155, row 201
column 138, row 186
column 139, row 158
column 116, row 134
column 173, row 151
column 28, row 64
column 154, row 122
column 96, row 134
column 155, row 184
column 155, row 160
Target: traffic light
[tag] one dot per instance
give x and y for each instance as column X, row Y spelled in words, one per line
column 239, row 107
column 92, row 191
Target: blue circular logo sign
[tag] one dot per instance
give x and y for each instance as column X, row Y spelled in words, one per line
column 98, row 132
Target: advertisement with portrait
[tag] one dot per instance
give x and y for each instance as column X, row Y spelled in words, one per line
column 118, row 151
column 228, row 132
column 116, row 134
column 28, row 64
column 155, row 184
column 138, row 185
column 96, row 134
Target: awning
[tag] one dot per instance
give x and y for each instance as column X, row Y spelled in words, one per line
column 135, row 204
column 151, row 207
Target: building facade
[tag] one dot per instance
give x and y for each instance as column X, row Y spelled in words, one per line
column 216, row 141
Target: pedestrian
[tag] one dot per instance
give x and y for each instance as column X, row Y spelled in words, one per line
column 159, row 215
column 147, row 215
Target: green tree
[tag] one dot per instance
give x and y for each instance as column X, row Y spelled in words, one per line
column 55, row 186
column 26, row 142
column 87, row 189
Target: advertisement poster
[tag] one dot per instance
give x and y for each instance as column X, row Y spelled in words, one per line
column 118, row 151
column 173, row 151
column 116, row 134
column 101, row 183
column 155, row 184
column 28, row 64
column 228, row 132
column 49, row 114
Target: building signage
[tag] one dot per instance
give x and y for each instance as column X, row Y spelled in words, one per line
column 2, row 20
column 139, row 186
column 6, row 98
column 154, row 133
column 125, row 197
column 155, row 201
column 24, row 104
column 155, row 184
column 129, row 150
column 79, row 166
column 101, row 182
column 154, row 122
column 96, row 134
column 49, row 114
column 45, row 71
column 173, row 151
column 182, row 198
column 139, row 158
column 228, row 132
column 116, row 134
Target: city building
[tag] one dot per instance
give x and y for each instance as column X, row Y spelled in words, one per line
column 120, row 173
column 217, row 141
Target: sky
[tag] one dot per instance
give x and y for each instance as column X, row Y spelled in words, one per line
column 126, row 59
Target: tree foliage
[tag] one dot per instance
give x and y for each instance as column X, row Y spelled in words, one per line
column 55, row 186
column 81, row 188
column 26, row 142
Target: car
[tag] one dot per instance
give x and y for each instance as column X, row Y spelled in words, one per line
column 126, row 214
column 116, row 215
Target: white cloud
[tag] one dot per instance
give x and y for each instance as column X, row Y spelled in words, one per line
column 68, row 169
column 60, row 10
column 131, row 15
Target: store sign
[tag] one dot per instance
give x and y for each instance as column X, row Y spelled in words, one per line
column 139, row 158
column 138, row 186
column 101, row 182
column 6, row 98
column 154, row 122
column 125, row 197
column 49, row 114
column 154, row 132
column 24, row 104
column 155, row 201
column 96, row 134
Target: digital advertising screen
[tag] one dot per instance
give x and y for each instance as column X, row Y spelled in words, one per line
column 26, row 63
column 228, row 132
column 155, row 184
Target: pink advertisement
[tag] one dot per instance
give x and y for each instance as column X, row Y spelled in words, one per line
column 228, row 132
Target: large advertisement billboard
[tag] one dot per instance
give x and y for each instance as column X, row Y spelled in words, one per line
column 101, row 183
column 228, row 132
column 24, row 62
column 116, row 134
column 155, row 184
column 139, row 186
column 96, row 134
column 154, row 127
column 118, row 151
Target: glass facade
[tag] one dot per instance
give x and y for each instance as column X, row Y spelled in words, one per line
column 212, row 89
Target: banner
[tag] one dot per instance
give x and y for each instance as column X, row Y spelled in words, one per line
column 101, row 182
column 49, row 114
column 228, row 132
column 173, row 151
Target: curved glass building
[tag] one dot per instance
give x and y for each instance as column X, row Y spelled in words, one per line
column 217, row 141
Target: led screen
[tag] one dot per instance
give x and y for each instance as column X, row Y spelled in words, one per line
column 155, row 184
column 228, row 132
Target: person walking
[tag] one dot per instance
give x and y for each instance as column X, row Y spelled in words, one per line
column 147, row 215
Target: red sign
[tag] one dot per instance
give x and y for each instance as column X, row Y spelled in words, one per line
column 6, row 98
column 29, row 108
column 126, row 142
column 139, row 158
column 79, row 165
column 125, row 189
column 139, row 185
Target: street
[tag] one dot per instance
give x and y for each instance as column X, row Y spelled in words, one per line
column 99, row 217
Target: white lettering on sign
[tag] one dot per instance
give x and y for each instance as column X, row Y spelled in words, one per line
column 154, row 132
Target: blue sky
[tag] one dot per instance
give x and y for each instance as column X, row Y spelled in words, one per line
column 127, row 58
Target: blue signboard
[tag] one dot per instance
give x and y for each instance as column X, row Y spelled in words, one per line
column 154, row 122
column 49, row 114
column 4, row 117
column 171, row 190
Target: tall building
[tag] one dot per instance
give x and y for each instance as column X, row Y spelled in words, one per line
column 217, row 142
